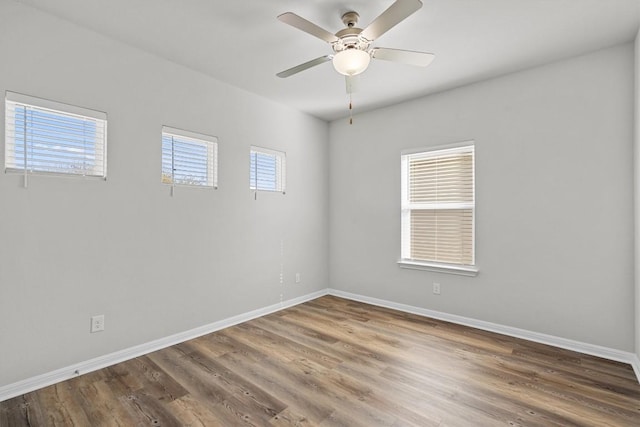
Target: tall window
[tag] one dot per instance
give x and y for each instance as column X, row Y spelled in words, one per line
column 438, row 203
column 189, row 158
column 267, row 169
column 43, row 136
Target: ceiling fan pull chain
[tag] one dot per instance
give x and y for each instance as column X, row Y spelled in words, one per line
column 350, row 110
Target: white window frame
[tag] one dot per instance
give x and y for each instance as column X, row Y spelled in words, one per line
column 31, row 103
column 405, row 261
column 279, row 175
column 211, row 142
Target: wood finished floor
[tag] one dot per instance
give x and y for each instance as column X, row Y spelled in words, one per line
column 337, row 362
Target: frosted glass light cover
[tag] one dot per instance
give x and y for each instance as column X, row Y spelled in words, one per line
column 351, row 61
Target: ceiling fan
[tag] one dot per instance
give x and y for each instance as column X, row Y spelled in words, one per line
column 351, row 46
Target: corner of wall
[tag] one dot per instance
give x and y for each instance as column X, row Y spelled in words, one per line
column 636, row 215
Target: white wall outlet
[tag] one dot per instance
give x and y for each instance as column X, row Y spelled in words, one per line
column 436, row 288
column 97, row 323
column 297, row 277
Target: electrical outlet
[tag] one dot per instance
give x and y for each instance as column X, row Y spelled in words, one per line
column 97, row 323
column 297, row 277
column 436, row 288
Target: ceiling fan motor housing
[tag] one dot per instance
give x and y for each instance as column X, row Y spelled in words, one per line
column 350, row 38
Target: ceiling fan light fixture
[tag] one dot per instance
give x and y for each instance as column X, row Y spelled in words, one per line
column 351, row 62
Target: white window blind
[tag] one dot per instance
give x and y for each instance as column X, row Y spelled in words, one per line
column 43, row 136
column 438, row 203
column 189, row 158
column 267, row 169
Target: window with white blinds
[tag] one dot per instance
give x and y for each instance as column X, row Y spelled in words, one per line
column 267, row 169
column 43, row 136
column 189, row 158
column 438, row 203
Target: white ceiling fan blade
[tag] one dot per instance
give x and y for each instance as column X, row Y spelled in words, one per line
column 409, row 57
column 352, row 83
column 306, row 65
column 397, row 12
column 307, row 26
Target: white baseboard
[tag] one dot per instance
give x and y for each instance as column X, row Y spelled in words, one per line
column 635, row 364
column 37, row 382
column 580, row 347
column 62, row 374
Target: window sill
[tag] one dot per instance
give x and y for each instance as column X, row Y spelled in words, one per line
column 32, row 172
column 471, row 271
column 204, row 187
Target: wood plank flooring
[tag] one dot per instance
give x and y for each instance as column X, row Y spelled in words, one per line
column 335, row 362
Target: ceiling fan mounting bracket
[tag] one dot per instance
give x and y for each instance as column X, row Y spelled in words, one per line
column 350, row 19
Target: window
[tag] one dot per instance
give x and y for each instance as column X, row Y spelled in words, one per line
column 438, row 204
column 189, row 158
column 267, row 170
column 43, row 136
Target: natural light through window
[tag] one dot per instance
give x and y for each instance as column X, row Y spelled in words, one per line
column 267, row 169
column 189, row 158
column 43, row 136
column 438, row 208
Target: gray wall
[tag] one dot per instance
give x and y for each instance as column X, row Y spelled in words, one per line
column 153, row 264
column 636, row 164
column 554, row 199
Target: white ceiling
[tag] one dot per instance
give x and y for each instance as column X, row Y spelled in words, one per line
column 242, row 43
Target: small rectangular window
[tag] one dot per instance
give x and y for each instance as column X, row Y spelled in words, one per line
column 43, row 136
column 267, row 170
column 189, row 158
column 438, row 204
